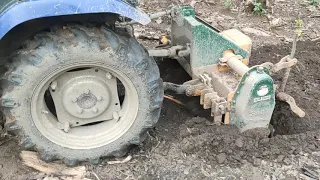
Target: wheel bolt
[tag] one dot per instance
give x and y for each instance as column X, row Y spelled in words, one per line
column 260, row 69
column 115, row 115
column 74, row 99
column 94, row 110
column 87, row 91
column 100, row 98
column 66, row 127
column 108, row 75
column 79, row 111
column 44, row 112
column 53, row 85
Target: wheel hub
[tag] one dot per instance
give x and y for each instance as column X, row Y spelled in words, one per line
column 85, row 96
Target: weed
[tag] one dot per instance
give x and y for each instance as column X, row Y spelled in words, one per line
column 228, row 4
column 314, row 2
column 258, row 8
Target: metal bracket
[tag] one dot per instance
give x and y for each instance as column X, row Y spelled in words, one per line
column 284, row 63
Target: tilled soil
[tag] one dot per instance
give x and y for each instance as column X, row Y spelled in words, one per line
column 303, row 85
column 187, row 147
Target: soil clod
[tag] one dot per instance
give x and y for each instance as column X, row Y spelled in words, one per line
column 221, row 158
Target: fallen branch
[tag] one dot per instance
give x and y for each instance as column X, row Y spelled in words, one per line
column 31, row 159
column 146, row 37
column 127, row 159
column 174, row 100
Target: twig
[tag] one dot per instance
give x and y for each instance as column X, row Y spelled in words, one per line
column 127, row 159
column 95, row 175
column 146, row 37
column 293, row 51
column 155, row 146
column 174, row 100
column 315, row 16
column 288, row 70
column 32, row 160
column 7, row 140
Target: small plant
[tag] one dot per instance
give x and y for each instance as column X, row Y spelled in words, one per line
column 314, row 3
column 299, row 24
column 258, row 8
column 228, row 4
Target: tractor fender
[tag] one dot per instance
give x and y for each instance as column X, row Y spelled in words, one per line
column 23, row 11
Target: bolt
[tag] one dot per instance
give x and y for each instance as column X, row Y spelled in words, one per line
column 44, row 112
column 108, row 75
column 260, row 69
column 53, row 85
column 74, row 99
column 94, row 110
column 87, row 91
column 238, row 92
column 66, row 127
column 115, row 116
column 100, row 98
column 80, row 111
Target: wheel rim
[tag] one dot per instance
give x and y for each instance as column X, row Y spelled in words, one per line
column 86, row 135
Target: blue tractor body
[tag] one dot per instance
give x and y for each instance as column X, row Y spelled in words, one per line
column 17, row 12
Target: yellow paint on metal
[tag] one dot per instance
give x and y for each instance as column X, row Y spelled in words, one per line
column 227, row 115
column 164, row 40
column 241, row 40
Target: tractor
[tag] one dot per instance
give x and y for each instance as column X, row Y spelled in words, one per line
column 77, row 86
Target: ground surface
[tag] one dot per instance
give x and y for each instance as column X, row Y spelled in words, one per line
column 183, row 146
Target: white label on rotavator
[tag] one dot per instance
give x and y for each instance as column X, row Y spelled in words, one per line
column 262, row 98
column 264, row 90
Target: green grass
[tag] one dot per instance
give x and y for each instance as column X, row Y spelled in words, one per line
column 228, row 4
column 314, row 2
column 258, row 8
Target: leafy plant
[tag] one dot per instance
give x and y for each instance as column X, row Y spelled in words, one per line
column 228, row 4
column 314, row 2
column 258, row 8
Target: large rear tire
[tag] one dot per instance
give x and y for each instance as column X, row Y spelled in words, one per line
column 74, row 53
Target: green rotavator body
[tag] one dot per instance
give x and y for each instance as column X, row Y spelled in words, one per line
column 246, row 96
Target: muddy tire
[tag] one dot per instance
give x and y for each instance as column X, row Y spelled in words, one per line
column 49, row 54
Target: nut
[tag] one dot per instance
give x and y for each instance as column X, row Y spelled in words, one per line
column 94, row 110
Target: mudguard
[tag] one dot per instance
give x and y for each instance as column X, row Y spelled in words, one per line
column 23, row 11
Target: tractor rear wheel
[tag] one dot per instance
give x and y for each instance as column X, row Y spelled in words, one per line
column 79, row 93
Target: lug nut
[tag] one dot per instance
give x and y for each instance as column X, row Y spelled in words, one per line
column 79, row 111
column 66, row 127
column 260, row 69
column 53, row 85
column 94, row 110
column 108, row 75
column 87, row 91
column 100, row 98
column 44, row 112
column 115, row 115
column 74, row 99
